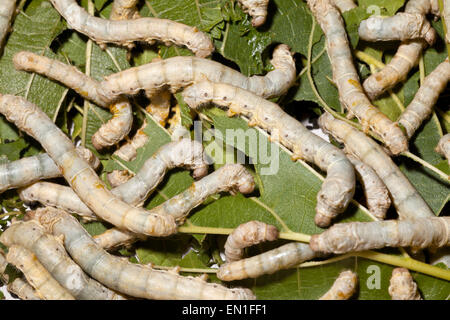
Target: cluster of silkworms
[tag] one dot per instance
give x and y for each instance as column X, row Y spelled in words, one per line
column 59, row 259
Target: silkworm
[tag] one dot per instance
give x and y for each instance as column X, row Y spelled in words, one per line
column 21, row 288
column 406, row 199
column 246, row 235
column 125, row 32
column 118, row 177
column 46, row 286
column 128, row 150
column 346, row 77
column 127, row 277
column 115, row 238
column 109, row 133
column 446, row 17
column 7, row 9
column 124, row 10
column 443, row 146
column 426, row 97
column 375, row 191
column 284, row 257
column 25, row 171
column 359, row 236
column 257, row 9
column 51, row 254
column 402, row 286
column 343, row 288
column 344, row 5
column 402, row 26
column 339, row 186
column 179, row 72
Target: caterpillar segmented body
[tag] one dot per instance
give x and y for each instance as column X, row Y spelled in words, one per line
column 359, row 236
column 426, row 97
column 124, row 10
column 351, row 93
column 46, row 287
column 21, row 288
column 7, row 9
column 127, row 277
column 118, row 177
column 128, row 151
column 115, row 238
column 125, row 32
column 402, row 286
column 246, row 235
column 344, row 5
column 25, row 171
column 402, row 26
column 284, row 257
column 447, row 19
column 406, row 199
column 343, row 288
column 443, row 146
column 257, row 9
column 52, row 255
column 339, row 186
column 179, row 72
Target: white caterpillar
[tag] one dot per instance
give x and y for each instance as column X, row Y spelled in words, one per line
column 406, row 199
column 375, row 191
column 246, row 235
column 257, row 9
column 346, row 77
column 125, row 32
column 52, row 255
column 402, row 26
column 284, row 257
column 46, row 287
column 109, row 133
column 118, row 177
column 25, row 171
column 339, row 186
column 115, row 238
column 127, row 277
column 426, row 97
column 443, row 146
column 447, row 19
column 179, row 72
column 7, row 9
column 124, row 10
column 418, row 233
column 344, row 5
column 343, row 288
column 402, row 286
column 405, row 59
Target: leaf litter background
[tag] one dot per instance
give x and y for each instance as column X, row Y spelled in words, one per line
column 40, row 29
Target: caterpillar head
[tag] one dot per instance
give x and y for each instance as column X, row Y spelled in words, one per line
column 198, row 94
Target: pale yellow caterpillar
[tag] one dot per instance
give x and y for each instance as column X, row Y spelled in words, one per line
column 406, row 199
column 446, row 17
column 45, row 285
column 180, row 72
column 343, row 288
column 128, row 150
column 21, row 288
column 124, row 10
column 402, row 286
column 257, row 9
column 375, row 191
column 344, row 5
column 109, row 133
column 402, row 26
column 125, row 32
column 127, row 277
column 246, row 235
column 426, row 97
column 418, row 233
column 118, row 177
column 284, row 257
column 351, row 94
column 339, row 186
column 443, row 146
column 7, row 8
column 115, row 238
column 51, row 254
column 25, row 171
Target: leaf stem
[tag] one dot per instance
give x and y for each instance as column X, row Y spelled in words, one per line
column 412, row 156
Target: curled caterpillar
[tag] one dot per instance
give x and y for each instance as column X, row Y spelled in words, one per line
column 25, row 171
column 339, row 186
column 124, row 10
column 179, row 72
column 284, row 257
column 443, row 146
column 402, row 286
column 375, row 191
column 125, row 32
column 7, row 9
column 45, row 285
column 124, row 276
column 344, row 5
column 21, row 288
column 359, row 236
column 406, row 57
column 426, row 97
column 51, row 254
column 351, row 94
column 109, row 133
column 343, row 288
column 128, row 150
column 257, row 9
column 246, row 235
column 406, row 199
column 402, row 26
column 115, row 238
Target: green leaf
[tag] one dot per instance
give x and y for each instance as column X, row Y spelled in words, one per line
column 12, row 150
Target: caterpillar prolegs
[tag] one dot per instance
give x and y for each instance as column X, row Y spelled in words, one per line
column 124, row 10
